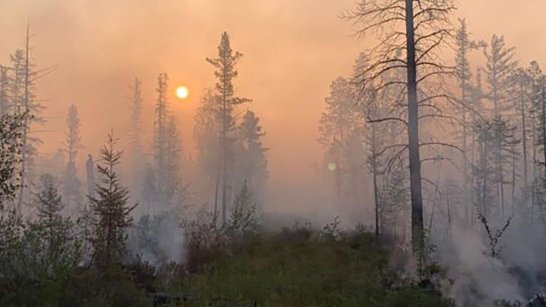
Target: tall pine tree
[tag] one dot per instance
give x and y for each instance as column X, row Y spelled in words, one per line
column 225, row 73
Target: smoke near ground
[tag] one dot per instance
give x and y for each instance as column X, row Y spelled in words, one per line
column 292, row 119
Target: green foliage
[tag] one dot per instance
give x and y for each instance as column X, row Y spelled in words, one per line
column 113, row 286
column 11, row 150
column 291, row 269
column 333, row 231
column 36, row 259
column 242, row 221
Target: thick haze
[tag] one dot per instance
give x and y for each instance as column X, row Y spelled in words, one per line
column 293, row 50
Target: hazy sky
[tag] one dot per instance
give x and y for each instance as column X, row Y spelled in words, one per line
column 292, row 50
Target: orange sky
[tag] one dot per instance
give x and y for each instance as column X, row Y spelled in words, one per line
column 293, row 50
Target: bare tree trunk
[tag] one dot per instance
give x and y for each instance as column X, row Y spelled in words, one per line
column 224, row 150
column 484, row 183
column 413, row 136
column 465, row 152
column 533, row 169
column 513, row 190
column 376, row 200
column 216, row 188
column 375, row 172
column 543, row 126
column 26, row 124
column 524, row 142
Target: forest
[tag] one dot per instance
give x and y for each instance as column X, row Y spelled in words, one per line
column 429, row 188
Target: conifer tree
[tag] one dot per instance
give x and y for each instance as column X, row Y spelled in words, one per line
column 167, row 152
column 253, row 158
column 24, row 101
column 110, row 209
column 206, row 134
column 173, row 181
column 225, row 73
column 466, row 106
column 49, row 202
column 535, row 74
column 71, row 182
column 521, row 93
column 135, row 140
column 539, row 110
column 336, row 124
column 490, row 134
column 500, row 66
column 161, row 127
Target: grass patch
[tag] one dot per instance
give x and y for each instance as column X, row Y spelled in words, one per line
column 298, row 268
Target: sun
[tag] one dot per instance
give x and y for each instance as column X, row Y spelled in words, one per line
column 182, row 92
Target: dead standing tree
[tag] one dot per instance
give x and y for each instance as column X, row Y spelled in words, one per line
column 410, row 32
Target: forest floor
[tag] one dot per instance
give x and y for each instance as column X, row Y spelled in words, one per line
column 297, row 267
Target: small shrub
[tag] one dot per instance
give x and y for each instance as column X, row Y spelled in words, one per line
column 333, row 231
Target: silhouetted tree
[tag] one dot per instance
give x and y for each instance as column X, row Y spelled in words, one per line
column 225, row 72
column 466, row 103
column 491, row 133
column 410, row 33
column 135, row 140
column 25, row 101
column 337, row 127
column 110, row 209
column 253, row 160
column 58, row 229
column 206, row 134
column 521, row 94
column 71, row 182
column 173, row 181
column 161, row 127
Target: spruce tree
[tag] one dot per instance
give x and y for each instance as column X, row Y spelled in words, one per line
column 500, row 66
column 161, row 127
column 71, row 182
column 253, row 160
column 135, row 141
column 61, row 244
column 225, row 73
column 335, row 127
column 466, row 105
column 173, row 192
column 110, row 209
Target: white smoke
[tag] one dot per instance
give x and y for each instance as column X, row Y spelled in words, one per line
column 158, row 239
column 478, row 279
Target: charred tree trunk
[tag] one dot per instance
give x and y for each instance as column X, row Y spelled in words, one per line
column 417, row 233
column 524, row 142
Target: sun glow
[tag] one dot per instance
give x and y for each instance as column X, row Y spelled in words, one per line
column 182, row 92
